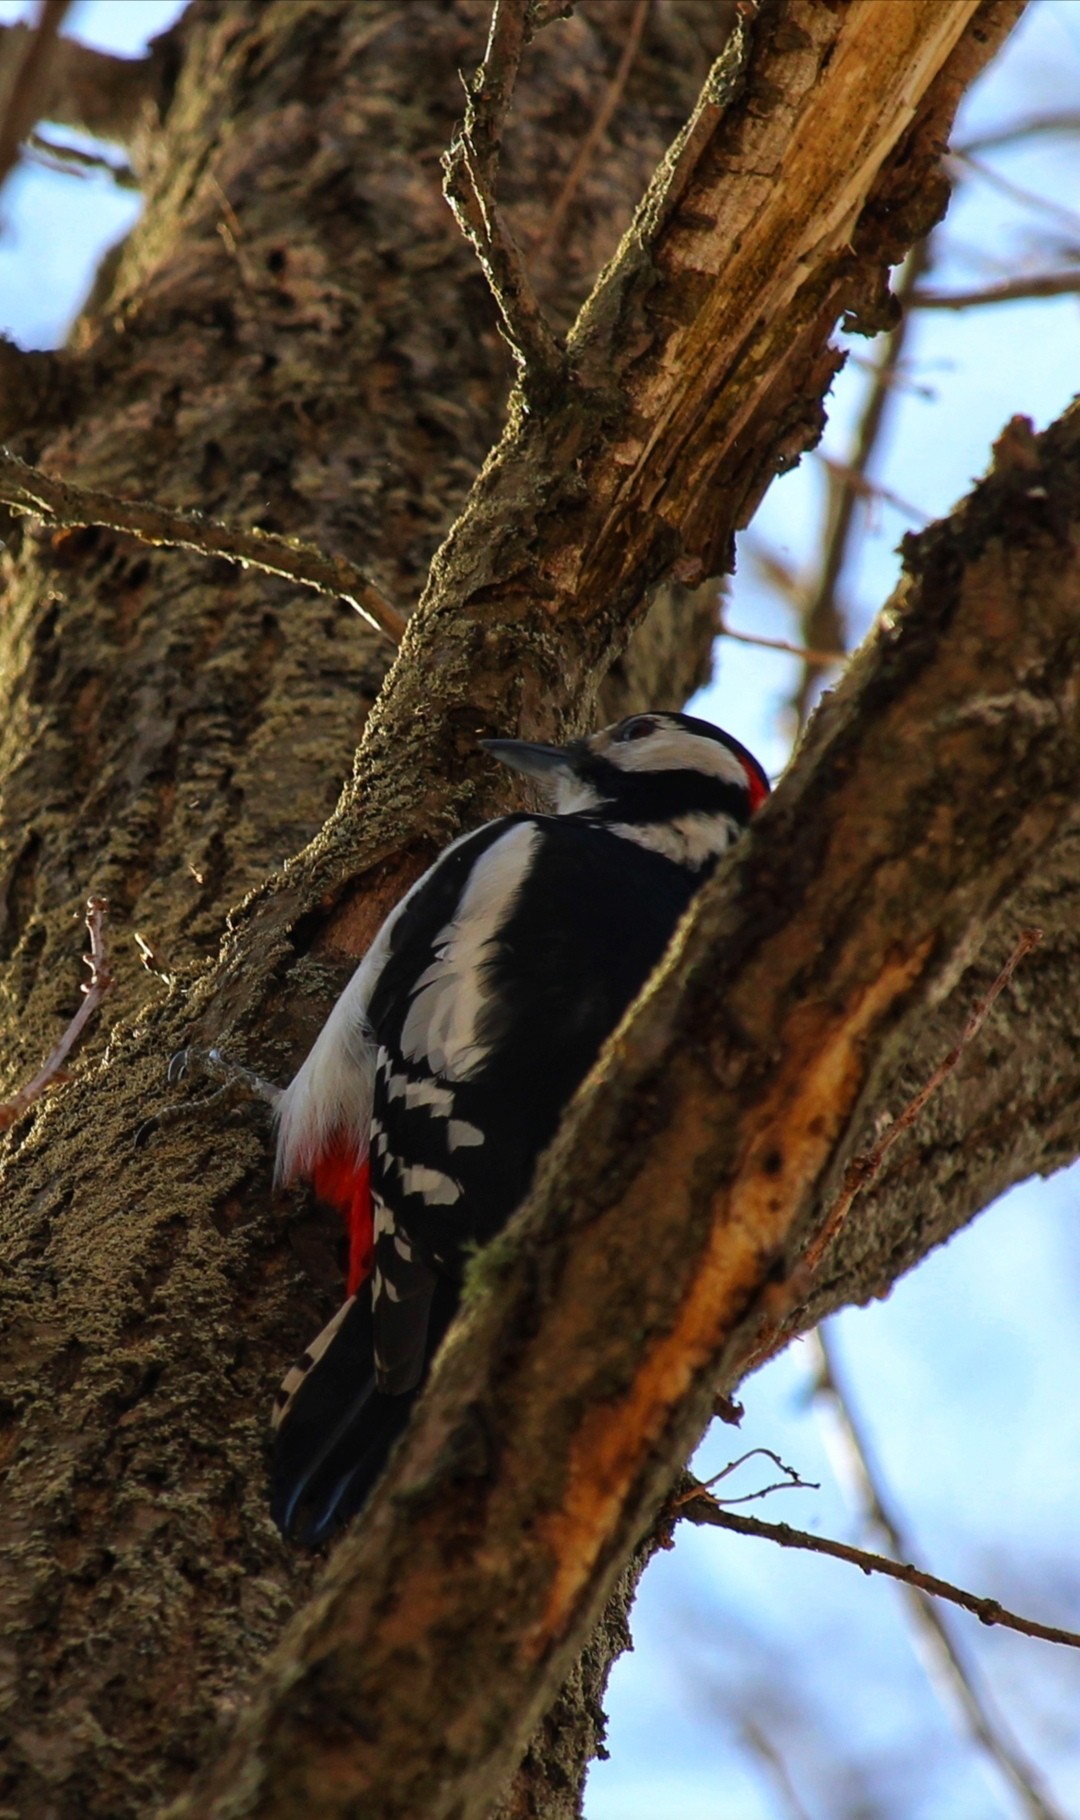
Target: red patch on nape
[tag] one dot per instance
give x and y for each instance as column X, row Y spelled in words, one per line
column 757, row 786
column 345, row 1184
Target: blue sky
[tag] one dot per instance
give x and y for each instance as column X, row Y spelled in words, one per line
column 964, row 1377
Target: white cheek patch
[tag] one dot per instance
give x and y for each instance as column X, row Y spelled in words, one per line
column 674, row 749
column 442, row 1026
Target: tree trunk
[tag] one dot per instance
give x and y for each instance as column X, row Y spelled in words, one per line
column 296, row 336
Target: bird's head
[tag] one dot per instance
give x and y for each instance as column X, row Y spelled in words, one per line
column 668, row 781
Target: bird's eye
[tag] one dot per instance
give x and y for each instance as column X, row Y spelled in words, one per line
column 639, row 728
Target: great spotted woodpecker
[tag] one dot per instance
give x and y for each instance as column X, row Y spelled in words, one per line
column 443, row 1069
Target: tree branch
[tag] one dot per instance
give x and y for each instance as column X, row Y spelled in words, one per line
column 823, row 622
column 862, row 1169
column 696, row 1505
column 1012, row 290
column 598, row 127
column 470, row 168
column 107, row 97
column 28, row 81
column 61, row 502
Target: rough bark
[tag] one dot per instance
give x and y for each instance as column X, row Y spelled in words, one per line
column 152, row 1295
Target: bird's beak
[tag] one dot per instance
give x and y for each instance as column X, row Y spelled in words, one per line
column 544, row 762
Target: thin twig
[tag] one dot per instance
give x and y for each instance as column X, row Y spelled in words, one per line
column 601, row 121
column 1031, row 128
column 493, row 87
column 1018, row 192
column 823, row 621
column 871, row 490
column 72, row 161
column 761, row 1746
column 950, row 1671
column 899, row 381
column 1012, row 290
column 94, row 990
column 152, row 960
column 23, row 100
column 27, row 489
column 792, row 1481
column 699, row 1506
column 470, row 168
column 820, row 659
column 863, row 1168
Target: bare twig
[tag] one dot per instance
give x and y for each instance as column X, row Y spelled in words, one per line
column 600, row 124
column 1012, row 290
column 863, row 1168
column 1067, row 218
column 105, row 96
column 493, row 87
column 152, row 960
column 27, row 489
column 699, row 1506
column 1035, row 126
column 23, row 99
column 470, row 168
column 792, row 1481
column 820, row 659
column 760, row 1745
column 94, row 990
column 898, row 381
column 949, row 1671
column 870, row 490
column 823, row 621
column 74, row 162
column 231, row 1075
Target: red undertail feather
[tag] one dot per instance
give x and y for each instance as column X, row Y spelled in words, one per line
column 345, row 1184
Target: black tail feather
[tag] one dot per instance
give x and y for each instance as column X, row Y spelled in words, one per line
column 339, row 1429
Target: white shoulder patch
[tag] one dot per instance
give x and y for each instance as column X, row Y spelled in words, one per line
column 333, row 1090
column 442, row 1026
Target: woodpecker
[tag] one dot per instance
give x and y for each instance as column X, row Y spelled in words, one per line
column 444, row 1067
